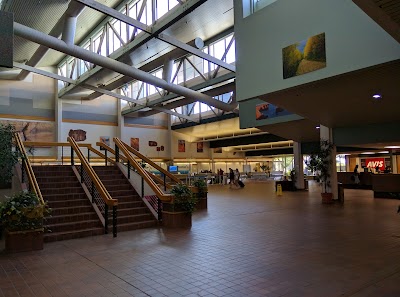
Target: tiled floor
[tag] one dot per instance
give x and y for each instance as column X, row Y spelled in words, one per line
column 248, row 243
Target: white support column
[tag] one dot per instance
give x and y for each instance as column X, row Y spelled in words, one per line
column 169, row 140
column 58, row 121
column 121, row 119
column 326, row 134
column 394, row 162
column 298, row 165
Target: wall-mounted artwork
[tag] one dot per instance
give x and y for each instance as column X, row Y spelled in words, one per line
column 200, row 147
column 135, row 143
column 218, row 150
column 78, row 134
column 105, row 140
column 267, row 110
column 162, row 148
column 305, row 56
column 33, row 131
column 152, row 143
column 181, row 146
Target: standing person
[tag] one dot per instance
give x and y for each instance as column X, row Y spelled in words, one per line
column 356, row 175
column 221, row 176
column 231, row 177
column 236, row 177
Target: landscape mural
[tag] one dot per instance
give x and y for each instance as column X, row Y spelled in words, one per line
column 33, row 131
column 305, row 56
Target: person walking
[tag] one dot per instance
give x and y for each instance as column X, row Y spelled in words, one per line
column 231, row 178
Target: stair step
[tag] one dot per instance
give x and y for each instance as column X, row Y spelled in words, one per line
column 132, row 211
column 71, row 210
column 132, row 218
column 68, row 203
column 73, row 217
column 58, row 191
column 59, row 185
column 53, row 179
column 135, row 226
column 57, row 236
column 74, row 226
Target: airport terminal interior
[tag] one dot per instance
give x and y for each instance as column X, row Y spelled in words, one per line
column 280, row 119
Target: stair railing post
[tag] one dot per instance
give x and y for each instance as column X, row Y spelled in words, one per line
column 23, row 171
column 159, row 209
column 106, row 219
column 88, row 155
column 114, row 211
column 62, row 155
column 129, row 169
column 92, row 191
column 81, row 173
column 72, row 156
column 116, row 153
column 142, row 187
column 165, row 183
column 106, row 156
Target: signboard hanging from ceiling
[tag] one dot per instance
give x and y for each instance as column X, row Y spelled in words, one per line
column 7, row 39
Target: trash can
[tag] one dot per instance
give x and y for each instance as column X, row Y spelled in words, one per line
column 340, row 193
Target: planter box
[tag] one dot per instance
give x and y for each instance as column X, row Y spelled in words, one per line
column 24, row 241
column 175, row 219
column 201, row 203
column 327, row 198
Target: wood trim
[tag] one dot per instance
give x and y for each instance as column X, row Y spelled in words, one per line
column 90, row 122
column 146, row 126
column 22, row 117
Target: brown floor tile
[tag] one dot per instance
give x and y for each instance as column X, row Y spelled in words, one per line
column 248, row 243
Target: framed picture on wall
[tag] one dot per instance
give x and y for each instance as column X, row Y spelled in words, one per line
column 105, row 140
column 200, row 147
column 135, row 143
column 181, row 145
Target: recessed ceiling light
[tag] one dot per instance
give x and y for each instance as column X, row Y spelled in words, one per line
column 377, row 96
column 383, row 152
column 317, row 127
column 392, row 146
column 367, row 153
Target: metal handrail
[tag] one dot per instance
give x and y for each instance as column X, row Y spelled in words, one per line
column 143, row 173
column 155, row 177
column 147, row 160
column 28, row 168
column 97, row 184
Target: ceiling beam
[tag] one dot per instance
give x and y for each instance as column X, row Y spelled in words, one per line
column 123, row 53
column 195, row 51
column 44, row 73
column 380, row 17
column 78, row 52
column 168, row 39
column 115, row 14
column 169, row 97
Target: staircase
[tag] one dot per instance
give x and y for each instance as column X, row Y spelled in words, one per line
column 72, row 214
column 132, row 213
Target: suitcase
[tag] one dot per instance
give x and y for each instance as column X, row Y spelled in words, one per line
column 241, row 184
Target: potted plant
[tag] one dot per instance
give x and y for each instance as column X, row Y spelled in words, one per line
column 320, row 164
column 199, row 189
column 8, row 157
column 22, row 218
column 178, row 213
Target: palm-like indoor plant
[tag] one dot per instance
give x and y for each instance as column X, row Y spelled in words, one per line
column 320, row 164
column 184, row 199
column 22, row 217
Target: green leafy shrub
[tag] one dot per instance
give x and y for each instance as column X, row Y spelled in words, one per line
column 23, row 211
column 184, row 199
column 201, row 185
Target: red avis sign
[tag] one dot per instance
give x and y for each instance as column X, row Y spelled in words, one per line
column 373, row 162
